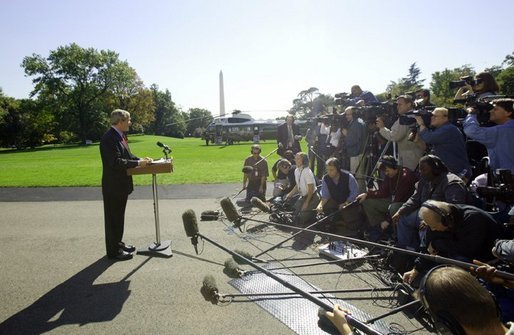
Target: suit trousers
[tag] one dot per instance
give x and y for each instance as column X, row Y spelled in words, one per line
column 114, row 218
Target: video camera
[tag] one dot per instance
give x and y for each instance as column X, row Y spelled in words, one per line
column 482, row 105
column 502, row 188
column 467, row 80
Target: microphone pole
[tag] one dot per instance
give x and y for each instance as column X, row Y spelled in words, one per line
column 263, row 158
column 434, row 258
column 303, row 230
column 349, row 318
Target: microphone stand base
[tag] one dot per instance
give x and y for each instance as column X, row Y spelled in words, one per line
column 162, row 249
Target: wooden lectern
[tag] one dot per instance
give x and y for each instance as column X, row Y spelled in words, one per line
column 158, row 248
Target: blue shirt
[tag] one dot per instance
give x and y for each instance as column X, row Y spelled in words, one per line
column 499, row 141
column 448, row 144
column 352, row 185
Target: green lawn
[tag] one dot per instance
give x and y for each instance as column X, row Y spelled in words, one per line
column 81, row 165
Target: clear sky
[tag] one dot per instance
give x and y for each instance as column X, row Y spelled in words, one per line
column 268, row 50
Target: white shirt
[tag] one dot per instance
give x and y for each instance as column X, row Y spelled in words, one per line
column 335, row 137
column 304, row 177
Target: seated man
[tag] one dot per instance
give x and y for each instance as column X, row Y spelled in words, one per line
column 396, row 188
column 255, row 181
column 436, row 183
column 306, row 187
column 456, row 301
column 455, row 231
column 338, row 189
column 285, row 179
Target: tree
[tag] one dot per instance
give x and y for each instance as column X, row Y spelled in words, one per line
column 129, row 93
column 506, row 81
column 197, row 120
column 303, row 104
column 77, row 81
column 440, row 84
column 411, row 83
column 168, row 120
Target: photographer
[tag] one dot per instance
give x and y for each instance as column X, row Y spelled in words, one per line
column 483, row 85
column 447, row 142
column 354, row 142
column 360, row 97
column 497, row 139
column 423, row 98
column 409, row 152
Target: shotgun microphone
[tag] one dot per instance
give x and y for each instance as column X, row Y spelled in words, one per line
column 210, row 289
column 191, row 227
column 231, row 212
column 260, row 205
column 232, row 269
column 248, row 169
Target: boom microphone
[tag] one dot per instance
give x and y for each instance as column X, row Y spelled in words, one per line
column 209, row 288
column 260, row 205
column 248, row 169
column 231, row 212
column 191, row 227
column 232, row 269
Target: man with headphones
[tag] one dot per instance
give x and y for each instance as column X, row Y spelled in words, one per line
column 436, row 183
column 396, row 188
column 306, row 187
column 455, row 231
column 255, row 181
column 339, row 188
column 459, row 305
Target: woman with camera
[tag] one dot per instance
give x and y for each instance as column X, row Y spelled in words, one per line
column 483, row 85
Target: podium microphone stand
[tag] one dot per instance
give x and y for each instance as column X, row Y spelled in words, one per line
column 158, row 248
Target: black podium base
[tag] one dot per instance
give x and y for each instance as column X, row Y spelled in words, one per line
column 157, row 250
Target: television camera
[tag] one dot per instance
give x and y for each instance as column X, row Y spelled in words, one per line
column 501, row 188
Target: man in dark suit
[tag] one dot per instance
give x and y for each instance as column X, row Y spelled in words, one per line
column 288, row 136
column 116, row 184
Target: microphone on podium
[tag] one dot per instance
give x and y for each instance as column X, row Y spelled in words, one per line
column 260, row 205
column 191, row 227
column 164, row 146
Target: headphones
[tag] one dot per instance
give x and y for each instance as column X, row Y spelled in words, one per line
column 447, row 219
column 437, row 165
column 444, row 322
column 390, row 163
column 256, row 146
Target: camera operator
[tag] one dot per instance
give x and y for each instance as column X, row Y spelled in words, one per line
column 360, row 97
column 447, row 142
column 355, row 142
column 483, row 85
column 497, row 139
column 322, row 145
column 288, row 136
column 409, row 152
column 423, row 98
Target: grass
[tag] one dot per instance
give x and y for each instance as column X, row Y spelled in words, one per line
column 194, row 163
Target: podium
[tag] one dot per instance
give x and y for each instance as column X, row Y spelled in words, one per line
column 158, row 248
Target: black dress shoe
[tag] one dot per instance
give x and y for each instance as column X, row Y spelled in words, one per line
column 121, row 256
column 127, row 247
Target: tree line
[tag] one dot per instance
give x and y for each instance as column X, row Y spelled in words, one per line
column 76, row 88
column 310, row 101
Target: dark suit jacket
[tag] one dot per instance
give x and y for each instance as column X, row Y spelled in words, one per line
column 116, row 159
column 282, row 138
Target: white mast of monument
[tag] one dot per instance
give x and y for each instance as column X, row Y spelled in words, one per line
column 222, row 95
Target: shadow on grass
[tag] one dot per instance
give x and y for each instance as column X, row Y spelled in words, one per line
column 49, row 147
column 75, row 301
